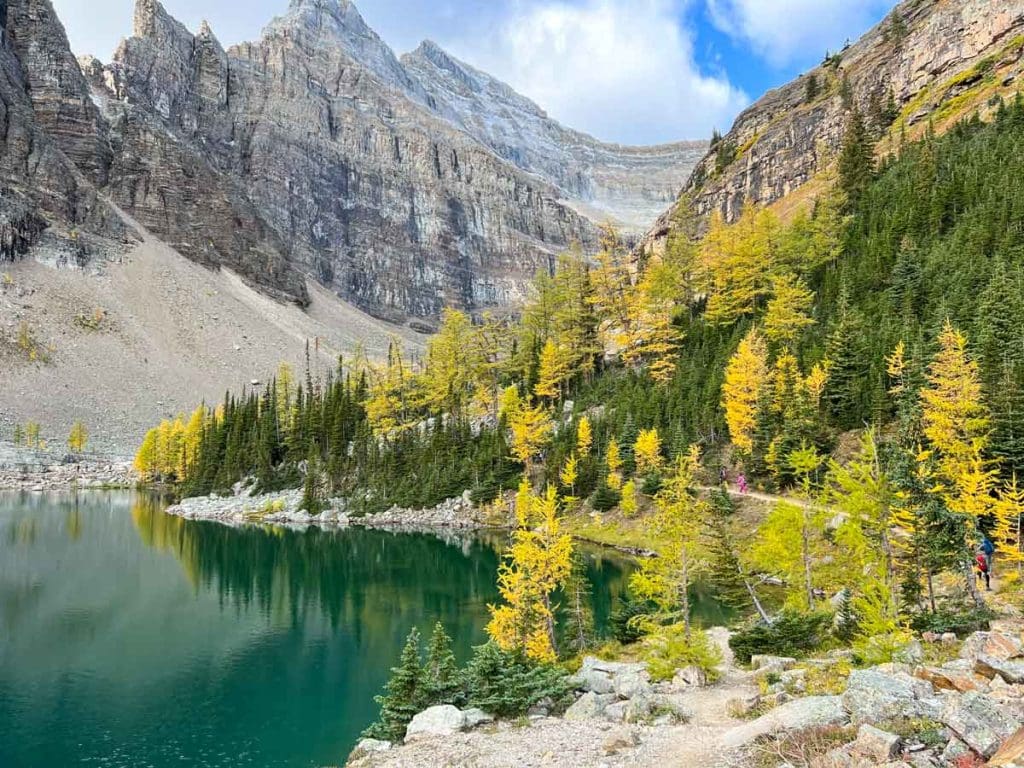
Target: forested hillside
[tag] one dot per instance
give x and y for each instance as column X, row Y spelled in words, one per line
column 887, row 256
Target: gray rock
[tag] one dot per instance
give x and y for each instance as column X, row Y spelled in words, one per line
column 373, row 745
column 773, row 663
column 474, row 717
column 620, row 739
column 1009, row 671
column 912, row 653
column 797, row 715
column 442, row 720
column 980, row 721
column 874, row 695
column 954, row 750
column 689, row 677
column 876, row 744
column 992, row 644
column 589, row 706
column 630, row 684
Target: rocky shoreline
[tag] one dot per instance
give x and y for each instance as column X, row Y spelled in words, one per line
column 962, row 710
column 283, row 508
column 86, row 474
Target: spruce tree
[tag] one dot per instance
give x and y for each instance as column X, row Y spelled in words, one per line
column 403, row 696
column 856, row 159
column 442, row 680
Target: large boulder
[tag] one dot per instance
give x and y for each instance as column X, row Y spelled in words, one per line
column 1011, row 753
column 875, row 744
column 874, row 695
column 946, row 679
column 589, row 706
column 995, row 644
column 474, row 717
column 625, row 679
column 1010, row 671
column 797, row 715
column 442, row 720
column 980, row 721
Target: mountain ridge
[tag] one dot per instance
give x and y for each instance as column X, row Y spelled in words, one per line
column 923, row 55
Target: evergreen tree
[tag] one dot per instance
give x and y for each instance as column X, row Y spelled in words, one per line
column 856, row 159
column 441, row 679
column 403, row 694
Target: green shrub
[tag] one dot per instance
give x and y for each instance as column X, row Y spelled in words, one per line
column 791, row 634
column 605, row 498
column 624, row 629
column 507, row 684
column 669, row 649
column 961, row 622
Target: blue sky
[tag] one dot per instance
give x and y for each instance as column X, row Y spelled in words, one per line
column 633, row 71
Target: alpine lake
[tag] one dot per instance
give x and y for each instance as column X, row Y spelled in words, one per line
column 130, row 637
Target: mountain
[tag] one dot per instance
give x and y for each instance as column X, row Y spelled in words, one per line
column 314, row 153
column 929, row 63
column 627, row 185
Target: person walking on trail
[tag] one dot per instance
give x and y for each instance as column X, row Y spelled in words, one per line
column 988, row 550
column 741, row 481
column 723, row 477
column 984, row 570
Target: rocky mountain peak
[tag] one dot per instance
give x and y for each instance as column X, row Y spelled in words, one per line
column 152, row 21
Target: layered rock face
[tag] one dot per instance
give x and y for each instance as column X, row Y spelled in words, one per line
column 38, row 181
column 926, row 64
column 314, row 152
column 334, row 144
column 629, row 186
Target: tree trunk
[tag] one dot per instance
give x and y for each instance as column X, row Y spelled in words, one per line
column 757, row 603
column 806, row 534
column 686, row 593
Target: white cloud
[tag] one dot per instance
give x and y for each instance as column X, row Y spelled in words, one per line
column 623, row 70
column 784, row 31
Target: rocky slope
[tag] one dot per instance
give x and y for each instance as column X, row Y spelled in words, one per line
column 935, row 60
column 313, row 152
column 629, row 186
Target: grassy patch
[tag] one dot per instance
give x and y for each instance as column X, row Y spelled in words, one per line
column 800, row 749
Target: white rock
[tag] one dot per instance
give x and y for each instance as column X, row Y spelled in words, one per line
column 442, row 720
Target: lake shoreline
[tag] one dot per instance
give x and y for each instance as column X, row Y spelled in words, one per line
column 283, row 507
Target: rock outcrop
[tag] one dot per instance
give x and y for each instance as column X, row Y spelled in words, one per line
column 629, row 186
column 41, row 90
column 404, row 186
column 933, row 60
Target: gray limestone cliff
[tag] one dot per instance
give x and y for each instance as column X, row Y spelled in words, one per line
column 629, row 186
column 933, row 60
column 315, row 153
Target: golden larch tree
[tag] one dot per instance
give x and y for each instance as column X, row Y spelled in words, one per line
column 745, row 378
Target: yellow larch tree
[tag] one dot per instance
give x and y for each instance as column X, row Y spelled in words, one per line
column 613, row 460
column 738, row 261
column 1007, row 534
column 665, row 580
column 531, row 428
column 746, row 376
column 955, row 422
column 788, row 312
column 392, row 398
column 553, row 370
column 647, row 451
column 649, row 336
column 78, row 438
column 448, row 375
column 569, row 475
column 584, row 436
column 537, row 564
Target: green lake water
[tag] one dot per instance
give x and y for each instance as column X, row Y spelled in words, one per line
column 129, row 637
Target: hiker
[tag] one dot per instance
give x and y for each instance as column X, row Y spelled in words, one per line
column 741, row 481
column 983, row 570
column 723, row 477
column 988, row 550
